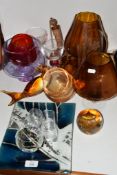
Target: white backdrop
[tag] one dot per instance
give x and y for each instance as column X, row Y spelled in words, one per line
column 18, row 15
column 96, row 153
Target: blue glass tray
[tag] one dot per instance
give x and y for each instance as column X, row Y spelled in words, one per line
column 49, row 157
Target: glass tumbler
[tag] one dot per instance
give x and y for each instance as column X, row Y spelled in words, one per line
column 28, row 140
column 50, row 128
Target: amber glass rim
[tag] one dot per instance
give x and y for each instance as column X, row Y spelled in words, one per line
column 54, row 70
column 7, row 42
column 87, row 16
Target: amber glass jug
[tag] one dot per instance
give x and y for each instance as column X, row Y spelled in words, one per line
column 85, row 35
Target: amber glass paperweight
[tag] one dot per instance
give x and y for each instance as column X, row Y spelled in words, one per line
column 97, row 78
column 85, row 35
column 90, row 121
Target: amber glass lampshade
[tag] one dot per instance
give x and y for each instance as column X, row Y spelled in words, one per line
column 86, row 34
column 97, row 78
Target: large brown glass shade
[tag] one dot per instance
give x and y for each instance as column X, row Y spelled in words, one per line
column 86, row 34
column 97, row 78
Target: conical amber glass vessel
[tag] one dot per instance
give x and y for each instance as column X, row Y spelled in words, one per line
column 97, row 78
column 85, row 35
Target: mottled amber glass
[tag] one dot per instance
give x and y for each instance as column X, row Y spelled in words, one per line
column 90, row 121
column 58, row 85
column 97, row 78
column 85, row 35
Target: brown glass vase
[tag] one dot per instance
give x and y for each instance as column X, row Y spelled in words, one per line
column 85, row 35
column 97, row 78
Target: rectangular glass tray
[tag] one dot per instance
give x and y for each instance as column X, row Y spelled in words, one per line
column 50, row 157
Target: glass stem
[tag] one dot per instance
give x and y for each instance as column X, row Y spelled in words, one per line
column 57, row 105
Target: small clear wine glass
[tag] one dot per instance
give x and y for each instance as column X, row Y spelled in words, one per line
column 53, row 52
column 38, row 32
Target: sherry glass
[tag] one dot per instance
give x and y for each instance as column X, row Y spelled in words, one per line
column 39, row 33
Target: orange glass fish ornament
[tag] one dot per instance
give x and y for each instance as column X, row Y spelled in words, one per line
column 34, row 87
